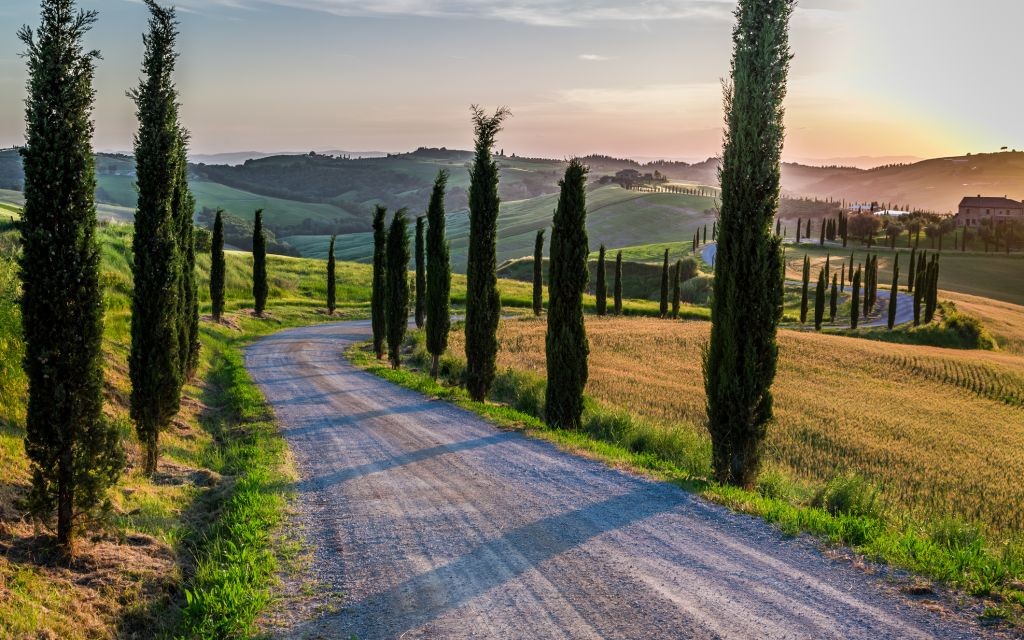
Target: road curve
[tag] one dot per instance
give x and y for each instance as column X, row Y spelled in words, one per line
column 435, row 524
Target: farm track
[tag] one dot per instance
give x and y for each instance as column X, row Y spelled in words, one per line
column 435, row 524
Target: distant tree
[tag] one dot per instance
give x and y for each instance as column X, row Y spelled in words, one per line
column 675, row 289
column 855, row 301
column 538, row 273
column 618, row 284
column 778, row 224
column 378, row 297
column 74, row 453
column 260, row 289
column 602, row 285
column 804, row 286
column 664, row 286
column 932, row 278
column 566, row 343
column 911, row 274
column 741, row 358
column 421, row 273
column 894, row 231
column 819, row 301
column 483, row 302
column 331, row 279
column 821, row 240
column 397, row 295
column 183, row 208
column 919, row 285
column 864, row 226
column 894, row 292
column 705, row 234
column 217, row 267
column 799, row 225
column 439, row 275
column 833, row 302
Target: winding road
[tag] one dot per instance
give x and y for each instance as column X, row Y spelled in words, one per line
column 435, row 524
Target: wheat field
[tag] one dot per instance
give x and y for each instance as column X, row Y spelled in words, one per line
column 939, row 432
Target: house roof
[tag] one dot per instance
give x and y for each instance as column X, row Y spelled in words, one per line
column 991, row 203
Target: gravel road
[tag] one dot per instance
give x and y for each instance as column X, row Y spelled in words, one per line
column 435, row 524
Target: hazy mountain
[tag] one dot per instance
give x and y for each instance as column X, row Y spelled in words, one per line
column 239, row 157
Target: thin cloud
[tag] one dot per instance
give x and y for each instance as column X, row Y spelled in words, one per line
column 593, row 57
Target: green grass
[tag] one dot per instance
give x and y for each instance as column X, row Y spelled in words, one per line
column 843, row 511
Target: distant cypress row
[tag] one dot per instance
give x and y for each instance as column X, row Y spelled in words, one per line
column 378, row 296
column 602, row 285
column 439, row 275
column 421, row 274
column 618, row 284
column 833, row 303
column 538, row 273
column 805, row 285
column 828, row 267
column 331, row 279
column 217, row 267
column 397, row 292
column 894, row 292
column 855, row 301
column 259, row 264
column 819, row 301
column 664, row 287
column 675, row 289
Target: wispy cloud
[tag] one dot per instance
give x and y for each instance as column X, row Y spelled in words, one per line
column 548, row 13
column 593, row 57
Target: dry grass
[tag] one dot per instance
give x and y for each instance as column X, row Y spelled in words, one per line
column 1004, row 320
column 940, row 432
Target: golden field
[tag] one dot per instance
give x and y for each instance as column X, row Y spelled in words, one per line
column 939, row 432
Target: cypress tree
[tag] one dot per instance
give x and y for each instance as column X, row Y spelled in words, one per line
column 705, row 234
column 911, row 271
column 894, row 292
column 918, row 296
column 778, row 224
column 932, row 301
column 217, row 267
column 618, row 284
column 819, row 302
column 566, row 343
column 842, row 281
column 805, row 285
column 439, row 275
column 378, row 296
column 855, row 301
column 810, row 230
column 833, row 302
column 741, row 358
column 799, row 226
column 664, row 286
column 397, row 292
column 821, row 241
column 260, row 289
column 675, row 289
column 538, row 273
column 74, row 452
column 483, row 303
column 828, row 267
column 155, row 361
column 602, row 285
column 331, row 279
column 421, row 274
column 183, row 206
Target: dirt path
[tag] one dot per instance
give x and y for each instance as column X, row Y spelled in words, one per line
column 437, row 525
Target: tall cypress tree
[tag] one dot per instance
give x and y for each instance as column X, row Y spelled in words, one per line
column 483, row 303
column 538, row 273
column 155, row 361
column 74, row 453
column 331, row 279
column 439, row 275
column 894, row 292
column 821, row 240
column 799, row 226
column 378, row 295
column 675, row 289
column 855, row 301
column 932, row 300
column 618, row 284
column 918, row 296
column 421, row 273
column 805, row 285
column 260, row 289
column 741, row 359
column 911, row 271
column 819, row 301
column 664, row 286
column 566, row 343
column 183, row 206
column 602, row 285
column 833, row 301
column 217, row 267
column 398, row 286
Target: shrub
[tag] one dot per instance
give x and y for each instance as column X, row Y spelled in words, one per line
column 850, row 495
column 697, row 290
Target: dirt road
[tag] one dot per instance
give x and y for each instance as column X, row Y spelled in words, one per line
column 437, row 525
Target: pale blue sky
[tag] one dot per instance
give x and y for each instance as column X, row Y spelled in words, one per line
column 871, row 77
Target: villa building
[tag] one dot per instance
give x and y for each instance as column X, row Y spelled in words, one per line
column 974, row 210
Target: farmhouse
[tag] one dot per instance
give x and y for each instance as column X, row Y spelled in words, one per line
column 974, row 210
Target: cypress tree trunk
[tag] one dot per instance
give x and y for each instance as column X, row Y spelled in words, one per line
column 805, row 285
column 421, row 274
column 740, row 362
column 378, row 296
column 331, row 279
column 833, row 302
column 819, row 302
column 855, row 301
column 675, row 289
column 538, row 273
column 483, row 304
column 664, row 287
column 894, row 292
column 155, row 361
column 602, row 285
column 566, row 343
column 75, row 454
column 259, row 264
column 618, row 284
column 439, row 275
column 398, row 286
column 217, row 267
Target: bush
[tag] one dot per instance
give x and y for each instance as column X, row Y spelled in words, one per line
column 849, row 495
column 697, row 290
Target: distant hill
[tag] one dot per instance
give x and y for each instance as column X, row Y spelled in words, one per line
column 238, row 157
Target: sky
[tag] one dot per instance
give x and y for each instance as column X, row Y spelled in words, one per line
column 642, row 79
